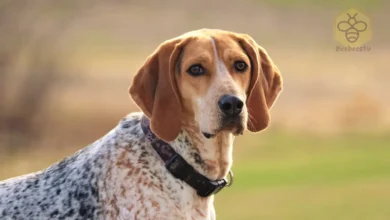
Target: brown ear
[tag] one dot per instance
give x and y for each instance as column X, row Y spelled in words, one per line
column 155, row 91
column 265, row 85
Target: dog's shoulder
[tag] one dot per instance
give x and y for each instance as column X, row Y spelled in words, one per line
column 73, row 186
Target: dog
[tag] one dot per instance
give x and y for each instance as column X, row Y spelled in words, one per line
column 196, row 92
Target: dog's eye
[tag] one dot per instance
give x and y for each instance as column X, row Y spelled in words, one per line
column 240, row 66
column 196, row 70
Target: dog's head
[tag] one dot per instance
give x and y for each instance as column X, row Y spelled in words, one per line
column 221, row 80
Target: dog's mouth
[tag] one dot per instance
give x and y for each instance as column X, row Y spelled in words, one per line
column 235, row 125
column 208, row 135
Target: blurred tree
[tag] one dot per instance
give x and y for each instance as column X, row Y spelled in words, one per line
column 24, row 43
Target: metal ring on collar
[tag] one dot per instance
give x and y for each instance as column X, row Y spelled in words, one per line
column 230, row 179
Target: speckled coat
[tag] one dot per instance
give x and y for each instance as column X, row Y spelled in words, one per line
column 119, row 176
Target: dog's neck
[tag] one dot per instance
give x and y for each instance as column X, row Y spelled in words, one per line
column 211, row 157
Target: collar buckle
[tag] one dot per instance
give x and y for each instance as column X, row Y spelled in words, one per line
column 212, row 187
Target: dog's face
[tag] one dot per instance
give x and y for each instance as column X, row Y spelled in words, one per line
column 213, row 80
column 220, row 80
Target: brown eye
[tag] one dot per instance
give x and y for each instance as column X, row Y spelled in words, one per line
column 240, row 66
column 196, row 70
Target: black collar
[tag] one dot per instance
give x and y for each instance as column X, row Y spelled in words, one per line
column 178, row 167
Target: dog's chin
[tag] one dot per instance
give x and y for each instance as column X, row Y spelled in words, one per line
column 235, row 129
column 234, row 126
column 239, row 130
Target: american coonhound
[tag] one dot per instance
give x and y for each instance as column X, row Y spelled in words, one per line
column 196, row 92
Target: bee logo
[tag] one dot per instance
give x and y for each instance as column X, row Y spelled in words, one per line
column 352, row 28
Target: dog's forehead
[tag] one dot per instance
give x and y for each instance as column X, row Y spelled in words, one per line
column 207, row 32
column 211, row 41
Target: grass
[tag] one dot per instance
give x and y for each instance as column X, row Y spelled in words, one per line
column 281, row 176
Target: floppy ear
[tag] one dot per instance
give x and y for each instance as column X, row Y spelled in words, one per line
column 155, row 91
column 265, row 85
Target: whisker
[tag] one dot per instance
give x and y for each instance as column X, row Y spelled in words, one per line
column 250, row 118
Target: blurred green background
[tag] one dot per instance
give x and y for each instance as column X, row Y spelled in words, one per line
column 65, row 67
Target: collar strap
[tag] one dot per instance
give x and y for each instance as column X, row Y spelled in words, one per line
column 178, row 167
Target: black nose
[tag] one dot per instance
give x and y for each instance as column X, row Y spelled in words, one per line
column 230, row 105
